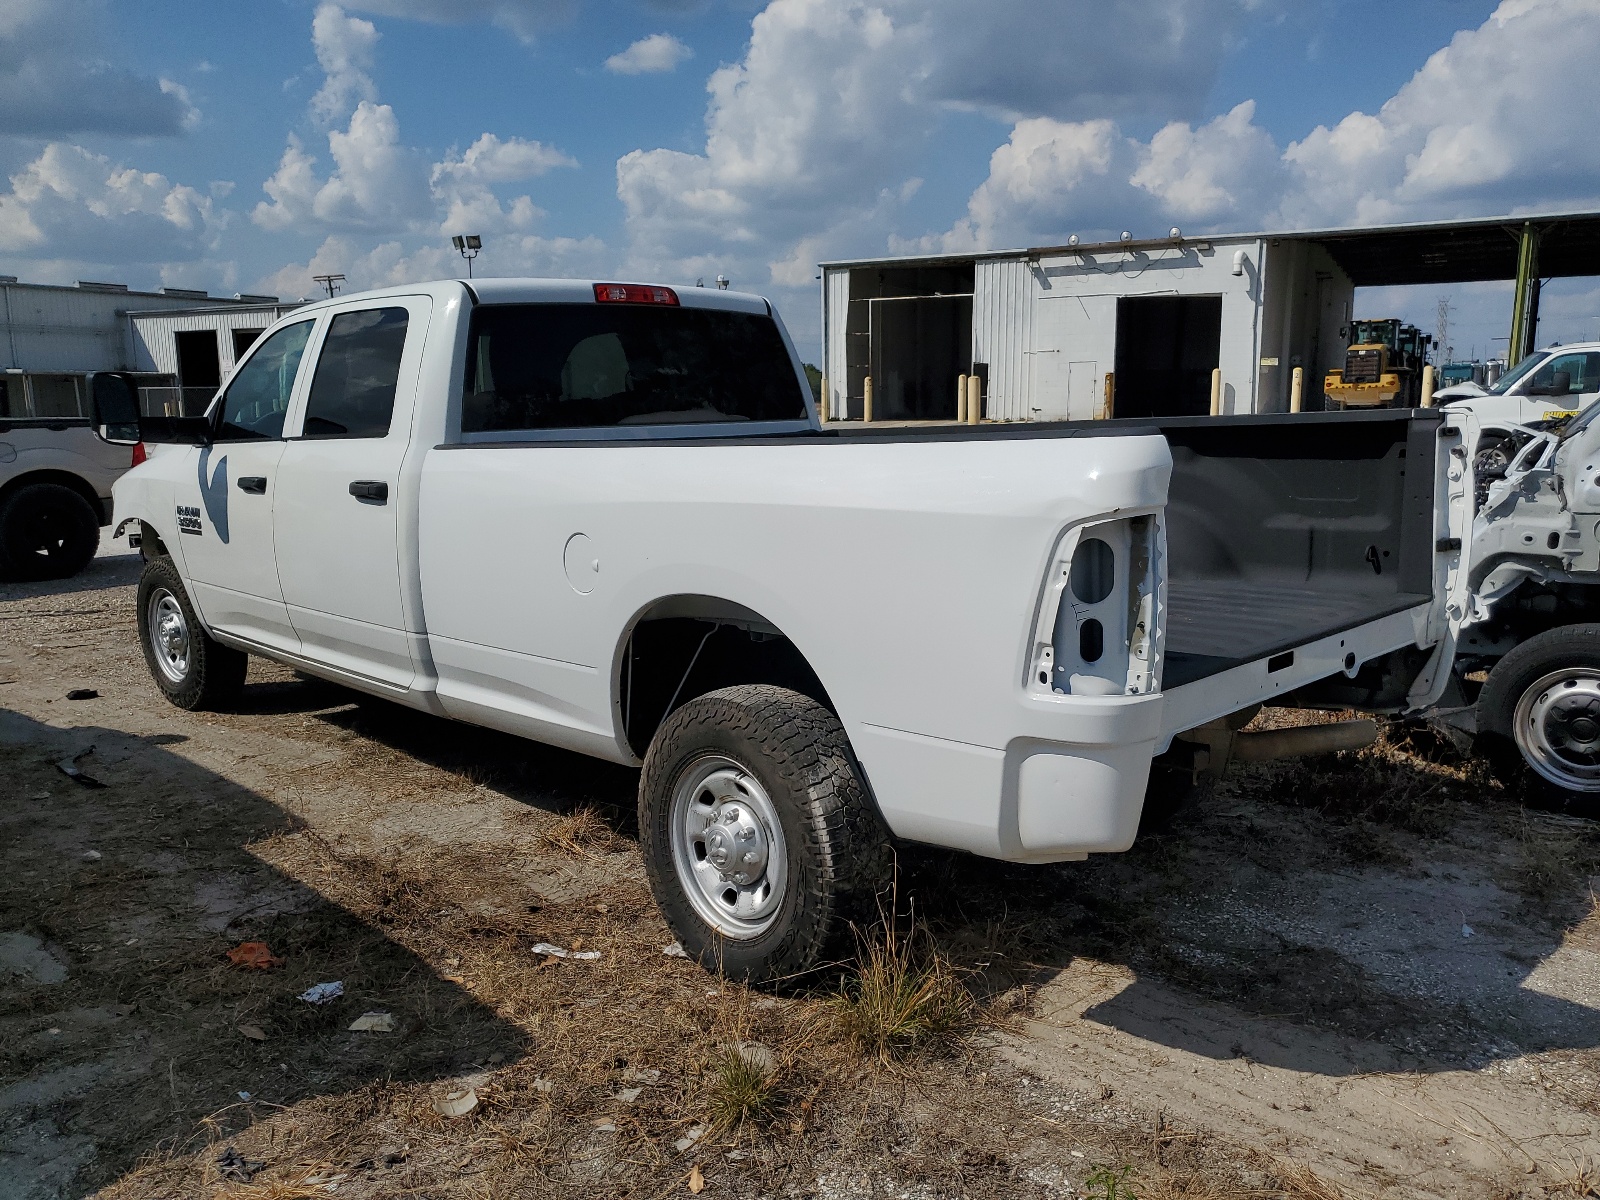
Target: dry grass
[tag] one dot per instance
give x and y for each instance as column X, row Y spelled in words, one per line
column 582, row 833
column 1553, row 859
column 904, row 997
column 1299, row 1182
column 742, row 1085
column 1580, row 1183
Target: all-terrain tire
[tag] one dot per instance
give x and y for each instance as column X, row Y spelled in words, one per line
column 838, row 859
column 205, row 675
column 47, row 531
column 1538, row 700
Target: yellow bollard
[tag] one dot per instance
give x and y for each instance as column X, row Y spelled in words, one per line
column 974, row 399
column 1216, row 391
column 1297, row 389
column 822, row 404
column 1427, row 386
column 1110, row 399
column 866, row 401
column 961, row 399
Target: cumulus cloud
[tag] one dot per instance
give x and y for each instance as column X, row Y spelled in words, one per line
column 344, row 47
column 76, row 209
column 376, row 183
column 398, row 262
column 1480, row 129
column 812, row 137
column 378, row 186
column 649, row 55
column 1486, row 125
column 54, row 79
column 463, row 186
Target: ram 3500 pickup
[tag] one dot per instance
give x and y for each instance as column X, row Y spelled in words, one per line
column 605, row 516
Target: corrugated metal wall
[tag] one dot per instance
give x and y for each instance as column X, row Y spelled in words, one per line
column 835, row 306
column 48, row 328
column 62, row 329
column 156, row 349
column 1002, row 333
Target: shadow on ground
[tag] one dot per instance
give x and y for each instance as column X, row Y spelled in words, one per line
column 122, row 1025
column 1302, row 898
column 1329, row 895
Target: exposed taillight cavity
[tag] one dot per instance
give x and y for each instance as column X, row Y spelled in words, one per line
column 1099, row 630
column 634, row 293
column 139, row 454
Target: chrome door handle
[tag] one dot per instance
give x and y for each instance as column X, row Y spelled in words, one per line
column 371, row 490
column 256, row 485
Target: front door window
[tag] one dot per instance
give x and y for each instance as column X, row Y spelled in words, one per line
column 257, row 400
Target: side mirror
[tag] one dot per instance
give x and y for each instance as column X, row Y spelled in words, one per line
column 114, row 401
column 1560, row 383
column 114, row 406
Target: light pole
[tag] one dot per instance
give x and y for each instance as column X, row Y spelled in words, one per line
column 330, row 283
column 467, row 245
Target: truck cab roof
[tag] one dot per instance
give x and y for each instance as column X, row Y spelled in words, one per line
column 532, row 290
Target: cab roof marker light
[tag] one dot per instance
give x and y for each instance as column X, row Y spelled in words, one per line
column 634, row 293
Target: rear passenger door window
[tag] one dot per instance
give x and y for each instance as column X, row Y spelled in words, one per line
column 358, row 370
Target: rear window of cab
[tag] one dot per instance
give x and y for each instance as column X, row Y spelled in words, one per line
column 592, row 366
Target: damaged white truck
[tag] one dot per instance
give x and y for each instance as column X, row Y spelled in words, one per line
column 605, row 517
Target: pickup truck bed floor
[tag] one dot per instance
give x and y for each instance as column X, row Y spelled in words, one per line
column 1215, row 624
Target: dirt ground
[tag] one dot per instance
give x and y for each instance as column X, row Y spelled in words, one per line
column 1368, row 975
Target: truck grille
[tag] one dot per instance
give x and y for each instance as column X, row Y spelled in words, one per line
column 1363, row 366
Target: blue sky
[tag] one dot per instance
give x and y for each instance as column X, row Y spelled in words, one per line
column 246, row 147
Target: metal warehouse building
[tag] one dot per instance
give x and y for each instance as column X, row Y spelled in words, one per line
column 1138, row 327
column 197, row 347
column 51, row 336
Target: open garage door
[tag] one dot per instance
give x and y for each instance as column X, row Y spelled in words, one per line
column 1167, row 347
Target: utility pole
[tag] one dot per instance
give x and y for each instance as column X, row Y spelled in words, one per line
column 330, row 283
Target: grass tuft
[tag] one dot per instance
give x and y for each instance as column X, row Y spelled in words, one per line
column 742, row 1086
column 1300, row 1182
column 582, row 833
column 904, row 997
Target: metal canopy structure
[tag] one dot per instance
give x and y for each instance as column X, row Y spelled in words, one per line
column 1462, row 251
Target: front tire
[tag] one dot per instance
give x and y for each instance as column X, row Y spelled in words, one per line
column 1539, row 719
column 191, row 669
column 759, row 839
column 47, row 531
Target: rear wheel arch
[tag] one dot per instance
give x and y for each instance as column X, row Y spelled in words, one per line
column 682, row 646
column 62, row 478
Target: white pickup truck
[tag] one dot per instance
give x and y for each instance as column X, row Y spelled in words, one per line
column 605, row 516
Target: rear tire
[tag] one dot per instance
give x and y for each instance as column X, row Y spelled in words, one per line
column 191, row 669
column 760, row 841
column 1539, row 719
column 47, row 531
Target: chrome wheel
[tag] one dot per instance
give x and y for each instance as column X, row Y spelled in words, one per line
column 728, row 847
column 169, row 635
column 1557, row 728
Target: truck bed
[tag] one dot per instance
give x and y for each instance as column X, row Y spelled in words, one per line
column 1285, row 529
column 1281, row 528
column 1262, row 619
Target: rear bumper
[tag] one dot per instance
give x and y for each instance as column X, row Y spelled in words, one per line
column 1043, row 798
column 1040, row 799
